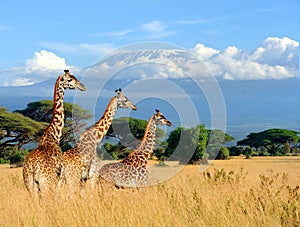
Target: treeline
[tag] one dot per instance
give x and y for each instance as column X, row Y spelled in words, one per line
column 187, row 145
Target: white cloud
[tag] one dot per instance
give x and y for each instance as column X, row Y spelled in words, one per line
column 82, row 48
column 203, row 52
column 154, row 26
column 45, row 60
column 276, row 58
column 151, row 30
column 225, row 17
column 275, row 51
column 21, row 82
column 231, row 63
column 155, row 30
column 114, row 33
column 42, row 66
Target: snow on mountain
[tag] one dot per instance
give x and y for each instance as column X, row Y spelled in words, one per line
column 178, row 83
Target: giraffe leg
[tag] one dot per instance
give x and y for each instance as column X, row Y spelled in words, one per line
column 29, row 174
column 94, row 171
column 28, row 180
column 61, row 180
column 73, row 182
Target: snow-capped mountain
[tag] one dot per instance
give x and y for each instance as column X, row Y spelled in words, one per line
column 181, row 86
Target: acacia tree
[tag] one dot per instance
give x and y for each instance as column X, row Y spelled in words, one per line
column 75, row 117
column 17, row 130
column 271, row 140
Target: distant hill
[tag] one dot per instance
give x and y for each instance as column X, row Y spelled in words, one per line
column 251, row 105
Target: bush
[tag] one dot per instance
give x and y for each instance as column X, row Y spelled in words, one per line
column 115, row 151
column 17, row 159
column 12, row 155
column 3, row 161
column 235, row 151
column 223, row 154
column 248, row 152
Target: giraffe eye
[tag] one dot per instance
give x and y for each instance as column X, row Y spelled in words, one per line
column 69, row 80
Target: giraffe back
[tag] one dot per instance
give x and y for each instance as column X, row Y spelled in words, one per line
column 123, row 175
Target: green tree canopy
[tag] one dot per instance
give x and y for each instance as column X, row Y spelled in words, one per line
column 271, row 139
column 215, row 140
column 42, row 111
column 129, row 132
column 188, row 145
column 223, row 153
column 75, row 117
column 217, row 135
column 17, row 130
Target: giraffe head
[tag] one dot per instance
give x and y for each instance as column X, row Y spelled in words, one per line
column 123, row 101
column 70, row 81
column 160, row 119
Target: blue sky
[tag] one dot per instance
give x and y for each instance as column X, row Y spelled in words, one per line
column 80, row 32
column 235, row 39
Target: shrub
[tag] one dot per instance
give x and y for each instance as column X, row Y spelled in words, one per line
column 248, row 152
column 235, row 151
column 223, row 154
column 3, row 161
column 17, row 159
column 12, row 155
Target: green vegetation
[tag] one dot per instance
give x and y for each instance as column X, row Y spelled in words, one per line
column 187, row 145
column 11, row 155
column 206, row 144
column 17, row 129
column 272, row 142
column 75, row 117
column 26, row 126
column 129, row 132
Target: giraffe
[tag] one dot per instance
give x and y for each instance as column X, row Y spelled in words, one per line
column 131, row 171
column 82, row 162
column 140, row 157
column 43, row 166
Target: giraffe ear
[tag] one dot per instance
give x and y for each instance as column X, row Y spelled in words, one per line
column 120, row 90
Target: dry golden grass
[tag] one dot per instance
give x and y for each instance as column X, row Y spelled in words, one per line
column 258, row 192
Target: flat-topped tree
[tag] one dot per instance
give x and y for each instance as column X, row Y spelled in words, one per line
column 271, row 139
column 75, row 118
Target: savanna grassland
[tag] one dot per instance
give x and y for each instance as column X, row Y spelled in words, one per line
column 262, row 191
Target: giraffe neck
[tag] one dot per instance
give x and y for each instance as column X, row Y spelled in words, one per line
column 54, row 131
column 141, row 155
column 92, row 137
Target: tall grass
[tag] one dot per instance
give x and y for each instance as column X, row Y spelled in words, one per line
column 238, row 192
